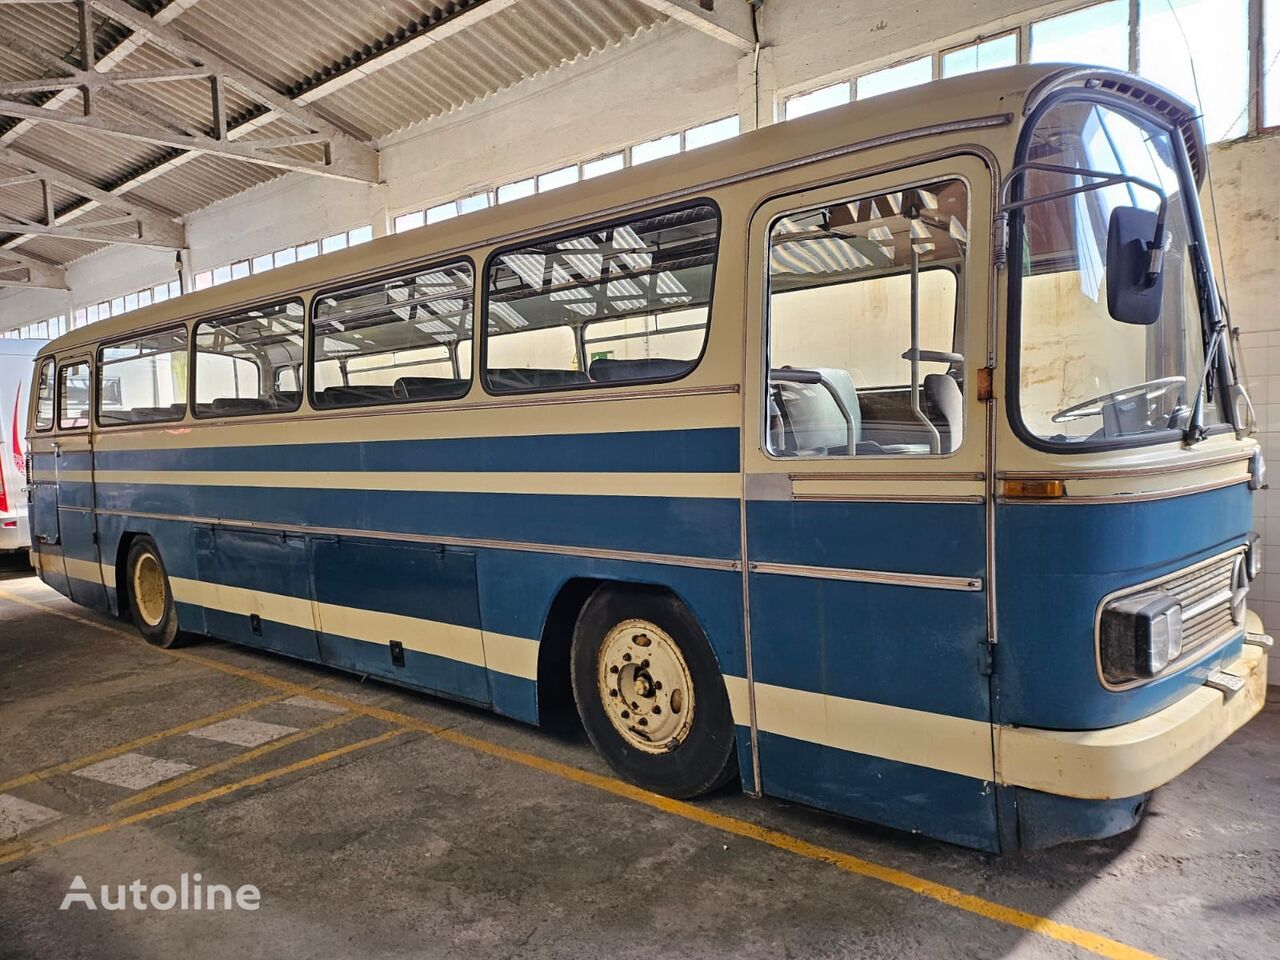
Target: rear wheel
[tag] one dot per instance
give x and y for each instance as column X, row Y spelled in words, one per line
column 650, row 693
column 150, row 596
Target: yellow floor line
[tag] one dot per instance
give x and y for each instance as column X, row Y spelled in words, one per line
column 195, row 776
column 76, row 763
column 185, row 802
column 951, row 896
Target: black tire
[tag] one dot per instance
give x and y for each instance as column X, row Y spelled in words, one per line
column 705, row 758
column 164, row 632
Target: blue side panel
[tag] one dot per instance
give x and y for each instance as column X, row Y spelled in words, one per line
column 262, row 561
column 947, row 539
column 517, row 589
column 645, row 524
column 514, row 697
column 426, row 581
column 905, row 646
column 711, row 450
column 932, row 802
column 461, row 681
column 1057, row 562
column 78, row 543
column 412, row 580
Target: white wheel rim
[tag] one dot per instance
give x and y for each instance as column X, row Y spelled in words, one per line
column 645, row 686
column 149, row 589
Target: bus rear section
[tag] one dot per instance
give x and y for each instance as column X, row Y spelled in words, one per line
column 16, row 362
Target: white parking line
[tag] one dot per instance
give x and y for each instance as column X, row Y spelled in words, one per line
column 133, row 771
column 18, row 816
column 243, row 732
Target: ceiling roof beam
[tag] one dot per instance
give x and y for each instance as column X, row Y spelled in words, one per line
column 154, row 226
column 728, row 21
column 20, row 270
column 245, row 150
column 106, row 61
column 69, row 233
column 348, row 157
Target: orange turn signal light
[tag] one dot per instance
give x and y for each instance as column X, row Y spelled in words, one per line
column 1033, row 489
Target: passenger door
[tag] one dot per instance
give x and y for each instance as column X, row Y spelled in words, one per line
column 866, row 529
column 77, row 517
column 43, row 450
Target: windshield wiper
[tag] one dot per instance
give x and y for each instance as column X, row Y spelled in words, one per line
column 1193, row 433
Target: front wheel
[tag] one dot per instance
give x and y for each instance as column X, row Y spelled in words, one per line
column 650, row 693
column 150, row 596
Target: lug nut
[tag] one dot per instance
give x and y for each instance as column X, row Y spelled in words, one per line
column 613, row 693
column 626, row 657
column 613, row 669
column 626, row 715
column 644, row 722
column 657, row 710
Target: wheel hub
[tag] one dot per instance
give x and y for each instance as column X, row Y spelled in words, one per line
column 645, row 686
column 149, row 589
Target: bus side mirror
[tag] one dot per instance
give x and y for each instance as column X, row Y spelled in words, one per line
column 1135, row 280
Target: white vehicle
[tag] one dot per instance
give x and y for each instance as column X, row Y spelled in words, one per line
column 16, row 363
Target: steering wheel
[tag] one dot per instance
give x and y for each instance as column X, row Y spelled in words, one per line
column 1151, row 390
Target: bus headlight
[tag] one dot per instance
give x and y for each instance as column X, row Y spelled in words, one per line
column 1253, row 556
column 1139, row 636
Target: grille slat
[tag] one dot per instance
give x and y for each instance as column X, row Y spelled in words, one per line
column 1214, row 623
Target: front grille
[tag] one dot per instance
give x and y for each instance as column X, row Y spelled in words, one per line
column 1204, row 590
column 1205, row 595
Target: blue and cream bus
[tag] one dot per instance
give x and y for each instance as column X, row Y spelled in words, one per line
column 892, row 460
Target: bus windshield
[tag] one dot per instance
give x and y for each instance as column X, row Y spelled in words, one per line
column 1085, row 377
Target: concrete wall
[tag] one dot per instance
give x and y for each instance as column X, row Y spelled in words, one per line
column 667, row 79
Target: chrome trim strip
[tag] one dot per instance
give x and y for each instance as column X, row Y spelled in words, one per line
column 927, row 580
column 1157, row 469
column 869, row 476
column 884, row 498
column 1175, row 667
column 594, row 553
column 1140, row 497
column 63, row 506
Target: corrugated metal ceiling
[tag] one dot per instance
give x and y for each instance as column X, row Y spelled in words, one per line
column 294, row 47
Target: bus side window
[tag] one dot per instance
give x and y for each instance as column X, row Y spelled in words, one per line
column 73, row 396
column 44, row 398
column 844, row 377
column 621, row 303
column 396, row 340
column 237, row 356
column 143, row 380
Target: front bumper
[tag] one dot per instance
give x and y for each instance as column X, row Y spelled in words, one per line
column 1133, row 758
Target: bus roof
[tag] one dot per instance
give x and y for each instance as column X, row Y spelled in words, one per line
column 992, row 98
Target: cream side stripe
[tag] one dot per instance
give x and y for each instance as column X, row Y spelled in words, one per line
column 1136, row 757
column 923, row 739
column 88, row 570
column 624, row 484
column 511, row 655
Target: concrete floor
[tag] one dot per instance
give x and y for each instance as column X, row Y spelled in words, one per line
column 426, row 845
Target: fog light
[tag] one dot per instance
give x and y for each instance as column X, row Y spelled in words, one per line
column 1253, row 556
column 1139, row 636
